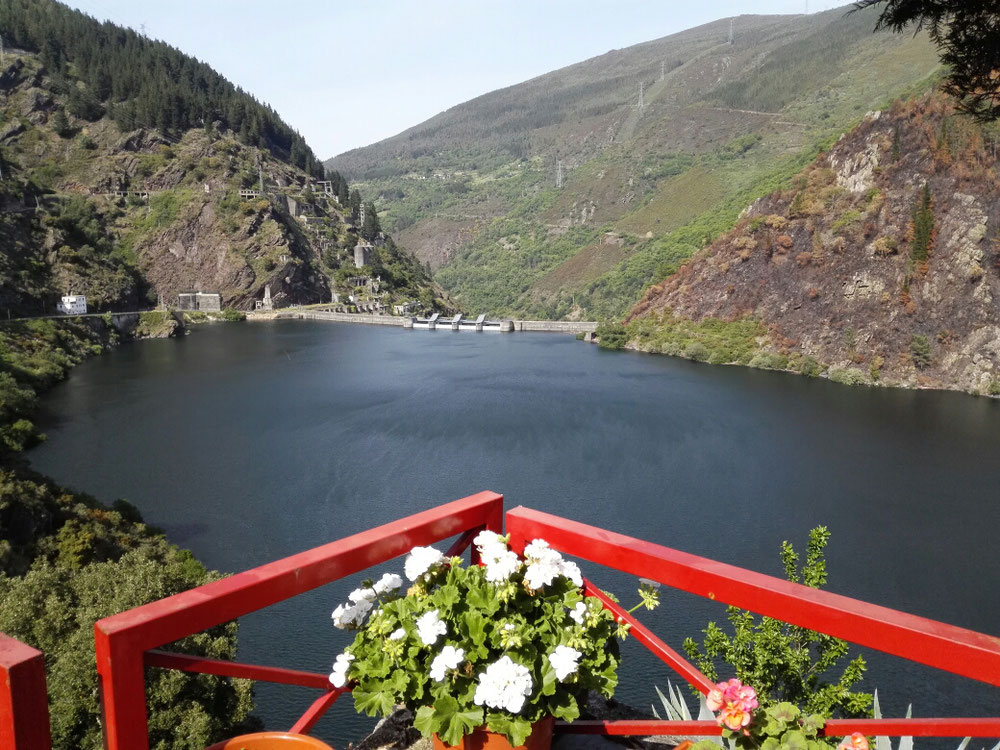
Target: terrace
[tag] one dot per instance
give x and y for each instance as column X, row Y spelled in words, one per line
column 128, row 643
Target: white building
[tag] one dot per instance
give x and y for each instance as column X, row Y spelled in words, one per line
column 72, row 304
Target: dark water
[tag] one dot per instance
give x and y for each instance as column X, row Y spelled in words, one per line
column 252, row 442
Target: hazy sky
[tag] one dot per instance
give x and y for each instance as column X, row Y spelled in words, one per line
column 349, row 74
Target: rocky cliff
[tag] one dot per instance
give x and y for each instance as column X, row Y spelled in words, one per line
column 879, row 264
column 130, row 217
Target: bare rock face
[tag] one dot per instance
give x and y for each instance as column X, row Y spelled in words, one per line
column 832, row 265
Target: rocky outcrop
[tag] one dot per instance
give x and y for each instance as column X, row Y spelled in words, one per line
column 833, row 266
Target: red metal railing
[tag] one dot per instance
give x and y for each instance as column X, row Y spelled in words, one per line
column 936, row 644
column 24, row 705
column 126, row 643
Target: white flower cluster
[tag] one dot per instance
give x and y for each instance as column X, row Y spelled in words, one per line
column 389, row 583
column 579, row 613
column 564, row 660
column 504, row 685
column 545, row 565
column 352, row 615
column 420, row 561
column 501, row 563
column 449, row 658
column 338, row 677
column 430, row 626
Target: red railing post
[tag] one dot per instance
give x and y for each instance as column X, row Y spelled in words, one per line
column 24, row 703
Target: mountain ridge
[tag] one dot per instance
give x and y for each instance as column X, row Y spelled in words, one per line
column 642, row 188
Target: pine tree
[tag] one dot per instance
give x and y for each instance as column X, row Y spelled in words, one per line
column 355, row 204
column 371, row 227
column 922, row 227
column 60, row 124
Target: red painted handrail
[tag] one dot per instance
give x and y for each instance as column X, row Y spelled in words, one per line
column 24, row 703
column 918, row 639
column 125, row 642
column 122, row 640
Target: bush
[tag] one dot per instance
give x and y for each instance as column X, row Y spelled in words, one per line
column 847, row 376
column 611, row 335
column 785, row 662
column 230, row 315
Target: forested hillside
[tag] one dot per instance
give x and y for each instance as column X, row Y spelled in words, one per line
column 475, row 191
column 135, row 216
column 141, row 83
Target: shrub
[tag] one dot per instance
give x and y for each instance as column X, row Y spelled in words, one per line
column 847, row 376
column 697, row 351
column 230, row 315
column 809, row 367
column 784, row 662
column 611, row 335
column 884, row 246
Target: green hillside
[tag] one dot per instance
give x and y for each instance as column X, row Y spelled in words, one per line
column 473, row 190
column 127, row 212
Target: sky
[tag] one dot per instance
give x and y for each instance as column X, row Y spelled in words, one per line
column 346, row 74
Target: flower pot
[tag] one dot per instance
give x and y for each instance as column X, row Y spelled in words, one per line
column 271, row 741
column 482, row 739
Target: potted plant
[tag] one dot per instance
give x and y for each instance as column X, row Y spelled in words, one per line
column 504, row 647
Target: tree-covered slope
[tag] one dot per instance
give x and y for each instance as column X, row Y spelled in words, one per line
column 129, row 217
column 142, row 83
column 474, row 192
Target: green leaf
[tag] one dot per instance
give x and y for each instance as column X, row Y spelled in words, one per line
column 549, row 680
column 565, row 707
column 375, row 703
column 771, row 743
column 516, row 728
column 452, row 722
column 794, row 740
column 426, row 721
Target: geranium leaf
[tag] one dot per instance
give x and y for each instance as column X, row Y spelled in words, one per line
column 549, row 680
column 565, row 707
column 516, row 728
column 453, row 722
column 425, row 721
column 376, row 703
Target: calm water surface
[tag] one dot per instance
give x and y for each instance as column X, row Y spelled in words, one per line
column 252, row 442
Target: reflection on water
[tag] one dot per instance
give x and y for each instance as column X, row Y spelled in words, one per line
column 251, row 442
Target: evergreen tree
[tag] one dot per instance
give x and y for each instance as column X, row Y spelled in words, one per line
column 355, row 204
column 967, row 34
column 922, row 227
column 371, row 227
column 60, row 124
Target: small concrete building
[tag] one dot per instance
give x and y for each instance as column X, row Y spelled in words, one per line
column 72, row 304
column 199, row 301
column 404, row 309
column 362, row 254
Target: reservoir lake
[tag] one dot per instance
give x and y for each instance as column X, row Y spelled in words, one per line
column 250, row 442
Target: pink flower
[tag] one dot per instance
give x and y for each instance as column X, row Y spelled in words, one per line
column 856, row 741
column 734, row 717
column 748, row 698
column 734, row 701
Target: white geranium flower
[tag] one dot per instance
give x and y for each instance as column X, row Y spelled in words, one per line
column 420, row 560
column 338, row 677
column 430, row 626
column 397, row 635
column 500, row 564
column 571, row 570
column 504, row 685
column 359, row 595
column 541, row 573
column 449, row 658
column 565, row 661
column 487, row 539
column 539, row 549
column 388, row 583
column 348, row 616
column 579, row 613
